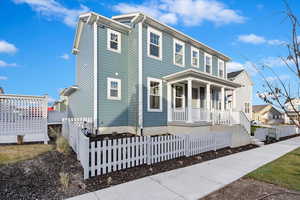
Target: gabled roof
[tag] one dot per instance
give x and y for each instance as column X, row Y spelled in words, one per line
column 258, row 108
column 234, row 74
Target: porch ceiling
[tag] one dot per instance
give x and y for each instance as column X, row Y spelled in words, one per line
column 201, row 76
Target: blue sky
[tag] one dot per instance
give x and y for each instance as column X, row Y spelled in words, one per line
column 36, row 36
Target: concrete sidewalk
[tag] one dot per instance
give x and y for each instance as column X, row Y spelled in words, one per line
column 195, row 181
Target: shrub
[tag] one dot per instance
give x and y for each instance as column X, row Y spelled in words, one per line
column 62, row 145
column 64, row 180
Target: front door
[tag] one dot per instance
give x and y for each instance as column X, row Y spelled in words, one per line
column 179, row 97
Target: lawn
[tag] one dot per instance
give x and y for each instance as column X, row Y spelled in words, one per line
column 284, row 171
column 14, row 153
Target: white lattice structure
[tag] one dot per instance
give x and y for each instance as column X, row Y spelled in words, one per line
column 25, row 116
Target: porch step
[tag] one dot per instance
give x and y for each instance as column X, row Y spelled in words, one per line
column 194, row 124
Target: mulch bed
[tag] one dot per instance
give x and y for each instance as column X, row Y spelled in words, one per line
column 39, row 178
column 99, row 137
column 118, row 177
column 249, row 189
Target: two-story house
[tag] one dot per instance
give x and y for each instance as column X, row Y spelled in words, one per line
column 293, row 111
column 136, row 74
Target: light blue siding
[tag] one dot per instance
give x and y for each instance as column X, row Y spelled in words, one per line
column 81, row 101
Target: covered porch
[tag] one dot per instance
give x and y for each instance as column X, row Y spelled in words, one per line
column 196, row 98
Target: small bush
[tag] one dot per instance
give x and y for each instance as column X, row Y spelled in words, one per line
column 64, row 180
column 62, row 145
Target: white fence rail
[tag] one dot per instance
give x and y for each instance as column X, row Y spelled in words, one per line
column 105, row 156
column 23, row 115
column 55, row 117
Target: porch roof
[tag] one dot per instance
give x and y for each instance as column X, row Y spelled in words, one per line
column 203, row 77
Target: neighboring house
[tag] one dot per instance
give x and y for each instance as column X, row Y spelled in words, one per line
column 61, row 105
column 136, row 74
column 267, row 114
column 291, row 107
column 244, row 93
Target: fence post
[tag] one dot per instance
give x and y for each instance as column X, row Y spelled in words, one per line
column 186, row 140
column 84, row 154
column 149, row 150
column 215, row 141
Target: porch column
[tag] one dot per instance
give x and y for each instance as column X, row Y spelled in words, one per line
column 189, row 99
column 208, row 97
column 222, row 98
column 169, row 100
column 233, row 100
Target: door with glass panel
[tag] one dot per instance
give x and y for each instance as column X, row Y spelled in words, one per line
column 179, row 102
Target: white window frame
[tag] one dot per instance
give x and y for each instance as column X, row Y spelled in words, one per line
column 109, row 31
column 149, row 79
column 152, row 30
column 175, row 97
column 198, row 52
column 207, row 55
column 109, row 80
column 222, row 61
column 175, row 41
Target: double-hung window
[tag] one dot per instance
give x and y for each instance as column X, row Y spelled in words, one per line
column 113, row 40
column 221, row 68
column 113, row 89
column 194, row 57
column 154, row 43
column 178, row 53
column 208, row 63
column 247, row 107
column 154, row 95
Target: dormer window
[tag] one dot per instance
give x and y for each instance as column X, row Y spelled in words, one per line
column 154, row 43
column 221, row 68
column 178, row 53
column 113, row 41
column 208, row 63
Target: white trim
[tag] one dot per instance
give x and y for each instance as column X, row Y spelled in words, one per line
column 207, row 55
column 109, row 32
column 220, row 60
column 176, row 41
column 140, row 73
column 149, row 79
column 109, row 80
column 95, row 75
column 152, row 30
column 198, row 52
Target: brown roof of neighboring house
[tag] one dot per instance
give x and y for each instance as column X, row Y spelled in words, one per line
column 234, row 74
column 257, row 108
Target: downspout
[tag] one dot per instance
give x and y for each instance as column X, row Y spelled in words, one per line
column 95, row 62
column 140, row 73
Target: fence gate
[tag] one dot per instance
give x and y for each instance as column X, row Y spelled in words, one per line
column 23, row 115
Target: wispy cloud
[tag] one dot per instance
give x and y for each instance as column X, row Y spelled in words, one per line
column 273, row 62
column 54, row 10
column 3, row 78
column 275, row 78
column 51, row 100
column 5, row 64
column 6, row 47
column 189, row 12
column 256, row 39
column 235, row 66
column 65, row 56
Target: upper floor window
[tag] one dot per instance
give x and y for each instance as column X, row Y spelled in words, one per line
column 154, row 95
column 194, row 57
column 113, row 40
column 247, row 107
column 178, row 53
column 221, row 68
column 154, row 43
column 113, row 89
column 208, row 63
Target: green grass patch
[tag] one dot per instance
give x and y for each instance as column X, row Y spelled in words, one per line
column 15, row 153
column 284, row 171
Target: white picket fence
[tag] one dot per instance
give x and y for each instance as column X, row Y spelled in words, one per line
column 277, row 131
column 105, row 156
column 23, row 115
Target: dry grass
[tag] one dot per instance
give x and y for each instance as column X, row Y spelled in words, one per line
column 15, row 153
column 64, row 180
column 62, row 145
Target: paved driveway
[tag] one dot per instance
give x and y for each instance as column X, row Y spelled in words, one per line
column 195, row 181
